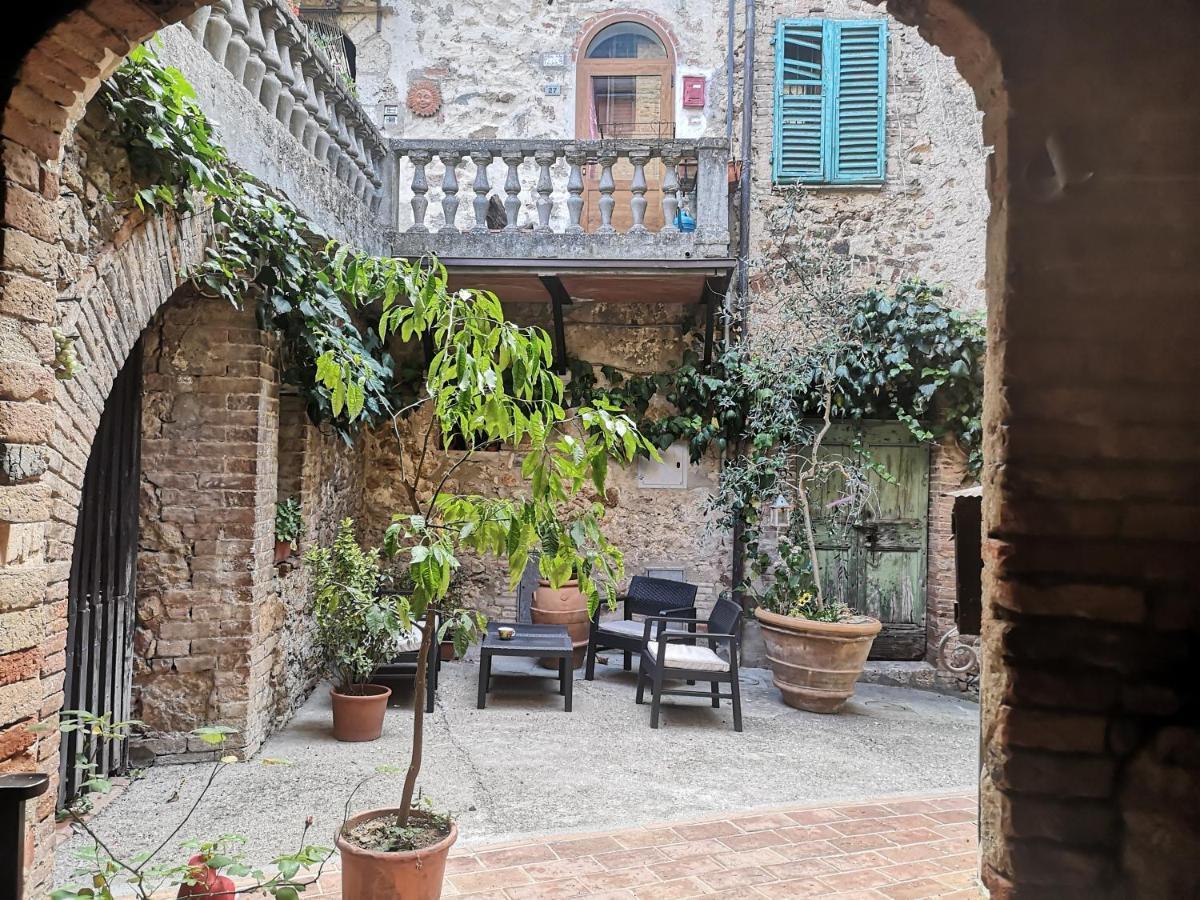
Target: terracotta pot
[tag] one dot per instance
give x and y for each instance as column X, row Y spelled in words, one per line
column 413, row 875
column 816, row 664
column 283, row 552
column 359, row 717
column 562, row 606
column 446, row 651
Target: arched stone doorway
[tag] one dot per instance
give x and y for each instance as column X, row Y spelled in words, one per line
column 1088, row 705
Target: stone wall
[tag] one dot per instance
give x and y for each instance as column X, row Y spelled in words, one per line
column 206, row 612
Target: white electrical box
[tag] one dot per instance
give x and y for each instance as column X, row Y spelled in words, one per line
column 670, row 474
column 669, row 574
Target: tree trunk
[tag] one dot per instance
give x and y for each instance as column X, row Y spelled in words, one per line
column 428, row 634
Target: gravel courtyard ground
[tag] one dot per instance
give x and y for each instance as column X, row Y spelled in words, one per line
column 524, row 767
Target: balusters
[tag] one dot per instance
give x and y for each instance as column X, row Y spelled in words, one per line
column 312, row 104
column 197, row 22
column 545, row 159
column 577, row 159
column 268, row 92
column 512, row 187
column 670, row 189
column 420, row 187
column 217, row 30
column 252, row 74
column 298, row 48
column 450, row 159
column 637, row 187
column 283, row 106
column 323, row 86
column 481, row 186
column 238, row 52
column 606, row 159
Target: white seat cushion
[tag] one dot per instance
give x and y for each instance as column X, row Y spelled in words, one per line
column 633, row 628
column 624, row 627
column 685, row 656
column 411, row 642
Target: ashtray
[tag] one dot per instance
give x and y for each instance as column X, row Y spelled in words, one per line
column 505, row 633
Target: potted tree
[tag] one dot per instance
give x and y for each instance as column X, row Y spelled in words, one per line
column 357, row 629
column 490, row 381
column 289, row 528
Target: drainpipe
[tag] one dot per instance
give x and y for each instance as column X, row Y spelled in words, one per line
column 742, row 292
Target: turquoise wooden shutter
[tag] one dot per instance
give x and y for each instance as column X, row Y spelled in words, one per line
column 801, row 93
column 857, row 113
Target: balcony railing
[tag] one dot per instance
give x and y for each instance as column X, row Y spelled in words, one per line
column 527, row 198
column 265, row 47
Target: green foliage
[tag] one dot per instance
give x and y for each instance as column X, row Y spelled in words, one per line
column 145, row 874
column 357, row 626
column 289, row 522
column 904, row 355
column 265, row 250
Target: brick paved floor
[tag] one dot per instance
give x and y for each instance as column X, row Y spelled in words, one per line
column 902, row 849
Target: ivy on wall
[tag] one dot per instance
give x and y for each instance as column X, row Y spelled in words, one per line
column 910, row 357
column 265, row 250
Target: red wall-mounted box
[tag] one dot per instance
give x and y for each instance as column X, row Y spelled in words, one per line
column 693, row 91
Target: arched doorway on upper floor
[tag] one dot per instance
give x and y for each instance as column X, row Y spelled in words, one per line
column 625, row 91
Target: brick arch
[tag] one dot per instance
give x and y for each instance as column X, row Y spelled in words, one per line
column 64, row 69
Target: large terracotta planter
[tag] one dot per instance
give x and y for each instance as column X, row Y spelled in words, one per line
column 359, row 717
column 816, row 664
column 412, row 875
column 563, row 606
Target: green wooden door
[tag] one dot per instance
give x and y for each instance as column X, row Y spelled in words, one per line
column 877, row 564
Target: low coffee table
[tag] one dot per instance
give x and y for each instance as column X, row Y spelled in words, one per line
column 530, row 640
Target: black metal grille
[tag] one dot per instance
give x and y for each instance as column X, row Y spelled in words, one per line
column 100, row 610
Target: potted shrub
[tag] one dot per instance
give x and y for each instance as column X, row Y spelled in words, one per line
column 357, row 629
column 289, row 528
column 490, row 381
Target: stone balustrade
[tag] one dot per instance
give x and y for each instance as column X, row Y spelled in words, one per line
column 265, row 47
column 542, row 186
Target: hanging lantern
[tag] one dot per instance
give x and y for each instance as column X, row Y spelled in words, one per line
column 779, row 513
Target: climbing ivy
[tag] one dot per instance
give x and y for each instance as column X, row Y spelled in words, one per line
column 905, row 354
column 265, row 250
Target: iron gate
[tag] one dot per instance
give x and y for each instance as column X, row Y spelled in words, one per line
column 100, row 610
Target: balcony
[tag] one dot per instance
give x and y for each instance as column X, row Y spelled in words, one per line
column 570, row 220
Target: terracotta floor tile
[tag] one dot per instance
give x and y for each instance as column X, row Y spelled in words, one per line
column 489, row 880
column 676, row 889
column 855, row 842
column 648, row 837
column 850, row 862
column 693, row 848
column 628, row 859
column 919, row 889
column 864, row 811
column 863, row 879
column 904, row 807
column 753, row 840
column 706, row 830
column 798, row 889
column 622, row 878
column 950, row 816
column 515, row 856
column 563, row 868
column 693, row 865
column 566, row 889
column 762, row 821
column 815, row 816
column 589, row 846
column 609, row 895
column 456, row 864
column 910, row 871
column 807, row 850
column 914, row 836
column 860, row 826
column 728, row 879
column 739, row 859
column 799, row 834
column 801, row 868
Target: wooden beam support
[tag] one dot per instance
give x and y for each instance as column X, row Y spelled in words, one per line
column 559, row 297
column 710, row 297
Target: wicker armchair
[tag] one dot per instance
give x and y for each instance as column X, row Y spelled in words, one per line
column 646, row 597
column 681, row 655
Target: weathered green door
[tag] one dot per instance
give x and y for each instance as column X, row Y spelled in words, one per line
column 877, row 563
